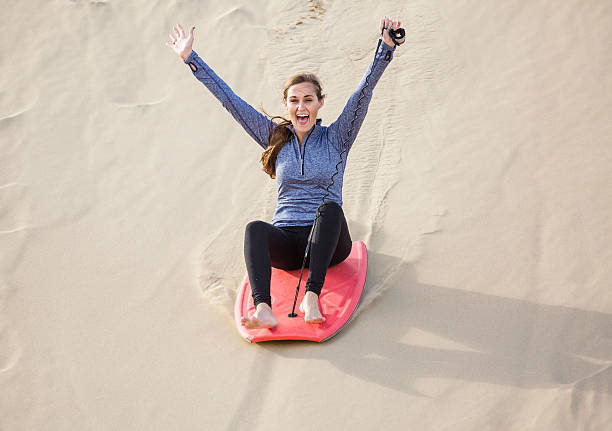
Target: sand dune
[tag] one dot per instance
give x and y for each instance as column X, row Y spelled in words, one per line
column 480, row 182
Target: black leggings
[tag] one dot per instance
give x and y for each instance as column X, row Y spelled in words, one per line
column 266, row 245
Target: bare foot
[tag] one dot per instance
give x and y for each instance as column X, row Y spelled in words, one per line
column 310, row 308
column 262, row 318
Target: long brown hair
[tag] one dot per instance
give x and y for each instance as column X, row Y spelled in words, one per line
column 279, row 134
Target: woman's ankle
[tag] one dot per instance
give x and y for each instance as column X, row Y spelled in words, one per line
column 263, row 306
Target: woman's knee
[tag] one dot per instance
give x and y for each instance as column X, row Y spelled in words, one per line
column 255, row 228
column 329, row 208
column 331, row 204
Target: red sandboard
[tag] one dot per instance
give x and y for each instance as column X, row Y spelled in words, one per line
column 338, row 300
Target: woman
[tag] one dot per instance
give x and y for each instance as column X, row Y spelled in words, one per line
column 302, row 155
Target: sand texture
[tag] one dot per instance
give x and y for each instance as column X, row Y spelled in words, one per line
column 481, row 182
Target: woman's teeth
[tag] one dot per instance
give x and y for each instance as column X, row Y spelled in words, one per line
column 302, row 120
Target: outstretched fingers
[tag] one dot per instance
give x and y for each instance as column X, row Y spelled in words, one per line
column 387, row 23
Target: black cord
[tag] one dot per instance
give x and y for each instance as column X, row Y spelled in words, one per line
column 398, row 37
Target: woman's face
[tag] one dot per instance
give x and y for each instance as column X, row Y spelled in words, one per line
column 302, row 106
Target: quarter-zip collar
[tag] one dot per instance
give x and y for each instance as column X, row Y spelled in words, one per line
column 312, row 135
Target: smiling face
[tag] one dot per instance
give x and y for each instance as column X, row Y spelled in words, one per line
column 302, row 106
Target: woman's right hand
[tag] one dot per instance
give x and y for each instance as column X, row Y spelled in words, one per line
column 181, row 43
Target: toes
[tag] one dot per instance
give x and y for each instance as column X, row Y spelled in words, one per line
column 316, row 320
column 251, row 322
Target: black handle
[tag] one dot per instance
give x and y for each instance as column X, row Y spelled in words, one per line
column 398, row 36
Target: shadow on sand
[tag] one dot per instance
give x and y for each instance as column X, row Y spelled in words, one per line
column 500, row 340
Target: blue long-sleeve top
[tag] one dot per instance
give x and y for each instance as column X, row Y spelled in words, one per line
column 302, row 174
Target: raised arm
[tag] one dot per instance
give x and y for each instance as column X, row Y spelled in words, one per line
column 339, row 129
column 256, row 124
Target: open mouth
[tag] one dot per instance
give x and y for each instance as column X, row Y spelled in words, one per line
column 302, row 119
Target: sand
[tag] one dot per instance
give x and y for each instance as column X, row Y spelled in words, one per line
column 480, row 182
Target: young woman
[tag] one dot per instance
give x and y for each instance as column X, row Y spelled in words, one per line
column 302, row 155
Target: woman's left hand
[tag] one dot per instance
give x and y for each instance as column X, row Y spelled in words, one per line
column 386, row 24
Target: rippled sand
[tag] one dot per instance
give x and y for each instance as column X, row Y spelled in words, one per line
column 480, row 182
